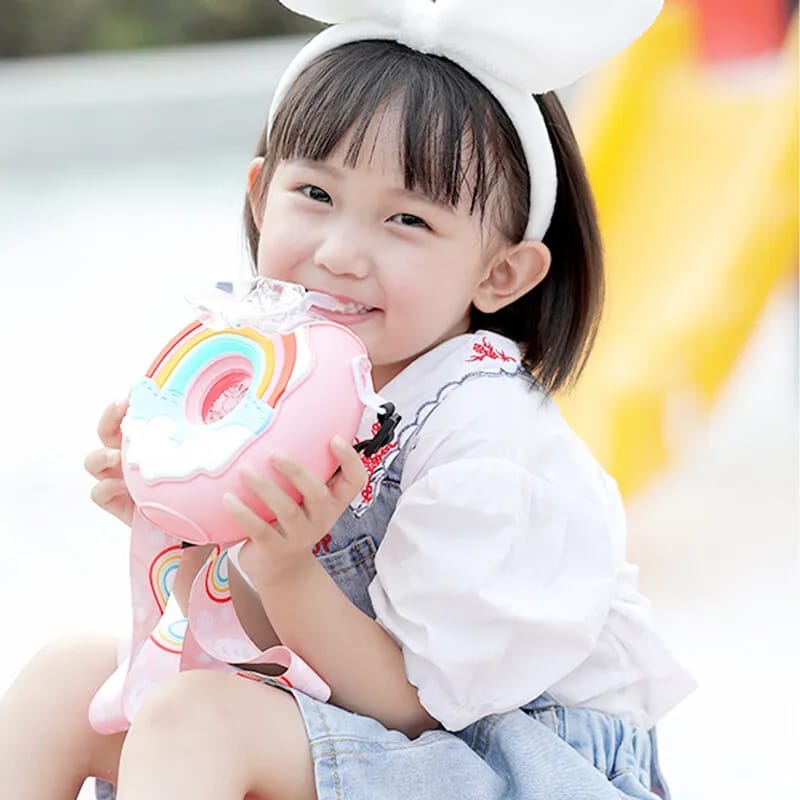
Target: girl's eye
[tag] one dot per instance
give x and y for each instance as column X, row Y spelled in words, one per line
column 411, row 221
column 315, row 193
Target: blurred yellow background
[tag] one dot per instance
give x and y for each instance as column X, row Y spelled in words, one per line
column 694, row 164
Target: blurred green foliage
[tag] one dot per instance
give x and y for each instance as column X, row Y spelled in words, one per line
column 39, row 27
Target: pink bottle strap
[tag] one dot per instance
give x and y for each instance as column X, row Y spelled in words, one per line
column 165, row 642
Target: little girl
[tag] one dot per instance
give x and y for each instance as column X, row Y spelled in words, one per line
column 464, row 591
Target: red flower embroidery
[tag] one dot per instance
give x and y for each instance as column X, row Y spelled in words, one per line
column 485, row 349
column 323, row 545
column 371, row 463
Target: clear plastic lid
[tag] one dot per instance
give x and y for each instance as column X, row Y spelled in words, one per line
column 268, row 305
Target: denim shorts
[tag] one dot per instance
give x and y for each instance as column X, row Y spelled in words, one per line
column 543, row 751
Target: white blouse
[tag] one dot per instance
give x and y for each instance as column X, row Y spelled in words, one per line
column 502, row 573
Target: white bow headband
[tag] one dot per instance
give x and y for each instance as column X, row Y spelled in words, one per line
column 515, row 48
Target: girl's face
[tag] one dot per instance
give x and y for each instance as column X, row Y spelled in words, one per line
column 404, row 268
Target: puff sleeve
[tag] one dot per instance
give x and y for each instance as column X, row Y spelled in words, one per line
column 495, row 583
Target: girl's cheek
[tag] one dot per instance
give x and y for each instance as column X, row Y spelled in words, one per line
column 277, row 258
column 271, row 268
column 267, row 260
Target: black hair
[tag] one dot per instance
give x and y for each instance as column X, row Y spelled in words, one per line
column 454, row 133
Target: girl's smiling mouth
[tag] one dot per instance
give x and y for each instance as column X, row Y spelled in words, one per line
column 336, row 306
column 348, row 317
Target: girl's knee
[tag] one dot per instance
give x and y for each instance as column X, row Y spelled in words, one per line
column 68, row 664
column 201, row 705
column 77, row 651
column 188, row 704
column 49, row 701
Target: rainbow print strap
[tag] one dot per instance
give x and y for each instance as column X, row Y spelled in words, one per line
column 165, row 642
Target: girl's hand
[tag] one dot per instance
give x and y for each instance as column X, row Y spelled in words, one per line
column 105, row 465
column 276, row 551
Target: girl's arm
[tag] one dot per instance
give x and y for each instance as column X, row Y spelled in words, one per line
column 356, row 656
column 362, row 663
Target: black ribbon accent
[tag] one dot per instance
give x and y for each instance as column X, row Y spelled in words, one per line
column 388, row 419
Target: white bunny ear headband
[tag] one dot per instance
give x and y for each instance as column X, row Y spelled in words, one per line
column 515, row 48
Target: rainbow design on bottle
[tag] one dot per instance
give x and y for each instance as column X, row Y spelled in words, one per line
column 206, row 394
column 216, row 400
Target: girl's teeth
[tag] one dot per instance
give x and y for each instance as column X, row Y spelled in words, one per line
column 351, row 308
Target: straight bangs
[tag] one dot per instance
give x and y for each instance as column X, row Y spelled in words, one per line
column 444, row 117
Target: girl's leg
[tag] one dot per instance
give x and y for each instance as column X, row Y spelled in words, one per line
column 213, row 736
column 47, row 747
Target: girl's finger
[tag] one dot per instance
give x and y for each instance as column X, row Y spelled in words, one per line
column 287, row 511
column 255, row 526
column 112, row 496
column 106, row 490
column 315, row 492
column 352, row 477
column 108, row 427
column 105, row 462
column 122, row 508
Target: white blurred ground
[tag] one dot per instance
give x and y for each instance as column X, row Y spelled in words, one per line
column 120, row 186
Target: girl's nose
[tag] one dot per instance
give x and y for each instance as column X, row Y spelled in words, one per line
column 343, row 252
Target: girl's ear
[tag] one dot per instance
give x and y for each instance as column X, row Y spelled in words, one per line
column 254, row 189
column 513, row 273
